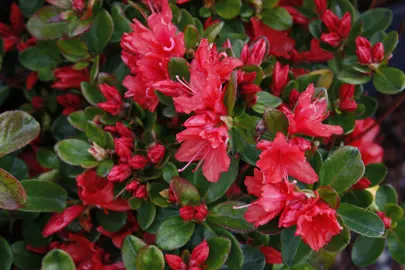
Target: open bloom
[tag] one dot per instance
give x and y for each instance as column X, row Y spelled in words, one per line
column 339, row 29
column 67, row 77
column 308, row 114
column 205, row 139
column 10, row 34
column 198, row 256
column 280, row 159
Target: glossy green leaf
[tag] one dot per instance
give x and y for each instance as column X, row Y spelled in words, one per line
column 174, row 233
column 185, row 191
column 375, row 173
column 29, row 7
column 12, row 193
column 47, row 158
column 266, row 100
column 235, row 258
column 277, row 18
column 366, row 250
column 253, row 258
column 275, row 121
column 339, row 242
column 43, row 196
column 23, row 259
column 361, row 221
column 370, row 106
column 73, row 49
column 150, row 257
column 375, row 20
column 219, row 251
column 41, row 27
column 385, row 194
column 361, row 198
column 6, row 256
column 231, row 93
column 329, row 195
column 146, row 214
column 315, row 28
column 91, row 93
column 17, row 129
column 75, row 152
column 293, row 250
column 396, row 242
column 226, row 216
column 228, row 9
column 57, row 260
column 213, row 31
column 130, row 248
column 353, row 77
column 14, row 166
column 100, row 32
column 390, row 43
column 78, row 119
column 191, row 37
column 112, row 221
column 178, row 69
column 346, row 120
column 388, row 80
column 394, row 212
column 342, row 169
column 121, row 23
column 96, row 134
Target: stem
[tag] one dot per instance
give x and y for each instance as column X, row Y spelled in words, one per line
column 383, row 117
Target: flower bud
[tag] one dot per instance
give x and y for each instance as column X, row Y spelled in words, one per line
column 363, row 50
column 187, row 212
column 98, row 152
column 258, row 52
column 280, row 77
column 201, row 212
column 378, row 52
column 321, row 6
column 272, row 255
column 345, row 25
column 332, row 39
column 60, row 220
column 387, row 221
column 141, row 192
column 37, row 102
column 331, row 21
column 138, row 162
column 199, row 254
column 78, row 5
column 346, row 96
column 122, row 150
column 119, row 173
column 124, row 131
column 156, row 153
column 175, row 262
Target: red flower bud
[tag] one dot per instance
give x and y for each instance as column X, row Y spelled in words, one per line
column 138, row 162
column 175, row 262
column 272, row 255
column 37, row 102
column 124, row 131
column 378, row 52
column 321, row 6
column 387, row 221
column 346, row 96
column 31, row 80
column 199, row 254
column 187, row 212
column 156, row 153
column 69, row 78
column 119, row 173
column 363, row 183
column 345, row 25
column 114, row 103
column 332, row 39
column 331, row 21
column 78, row 5
column 60, row 220
column 257, row 52
column 293, row 98
column 280, row 78
column 141, row 192
column 244, row 53
column 297, row 16
column 122, row 150
column 201, row 212
column 69, row 100
column 98, row 152
column 363, row 50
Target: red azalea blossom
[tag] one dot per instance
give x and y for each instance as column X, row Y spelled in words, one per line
column 339, row 29
column 61, row 220
column 114, row 102
column 10, row 34
column 367, row 54
column 70, row 101
column 281, row 158
column 119, row 173
column 387, row 221
column 197, row 213
column 206, row 140
column 138, row 162
column 279, row 78
column 308, row 114
column 68, row 77
column 156, row 153
column 198, row 256
column 363, row 183
column 272, row 255
column 31, row 80
column 138, row 190
column 346, row 96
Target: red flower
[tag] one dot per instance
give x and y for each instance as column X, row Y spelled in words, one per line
column 201, row 212
column 197, row 259
column 255, row 183
column 31, row 80
column 138, row 162
column 198, row 213
column 124, row 131
column 367, row 54
column 308, row 116
column 339, row 29
column 95, row 190
column 371, row 152
column 279, row 78
column 114, row 102
column 137, row 189
column 346, row 96
column 205, row 139
column 67, row 77
column 120, row 173
column 79, row 248
column 363, row 183
column 11, row 33
column 119, row 236
column 281, row 43
column 281, row 158
column 70, row 101
column 142, row 94
column 321, row 6
column 317, row 224
column 298, row 17
column 387, row 221
column 156, row 153
column 272, row 255
column 37, row 102
column 255, row 54
column 122, row 149
column 187, row 212
column 60, row 220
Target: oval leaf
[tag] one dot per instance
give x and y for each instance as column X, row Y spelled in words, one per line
column 219, row 251
column 75, row 152
column 277, row 18
column 43, row 196
column 100, row 32
column 12, row 193
column 57, row 259
column 388, row 80
column 396, row 242
column 6, row 257
column 185, row 192
column 366, row 250
column 150, row 257
column 294, row 251
column 174, row 233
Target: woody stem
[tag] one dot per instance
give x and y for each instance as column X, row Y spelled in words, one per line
column 383, row 117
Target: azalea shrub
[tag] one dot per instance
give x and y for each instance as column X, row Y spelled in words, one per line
column 199, row 135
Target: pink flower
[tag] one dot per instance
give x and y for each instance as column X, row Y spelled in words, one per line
column 67, row 77
column 272, row 255
column 280, row 159
column 140, row 92
column 308, row 116
column 60, row 220
column 205, row 139
column 114, row 102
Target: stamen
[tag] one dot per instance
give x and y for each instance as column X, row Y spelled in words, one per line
column 192, row 159
column 172, row 44
column 200, row 162
column 185, row 84
column 242, row 206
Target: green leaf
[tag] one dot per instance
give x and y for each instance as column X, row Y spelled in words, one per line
column 390, row 43
column 38, row 59
column 178, row 68
column 73, row 49
column 275, row 121
column 41, row 26
column 219, row 251
column 396, row 242
column 154, row 190
column 228, row 9
column 315, row 28
column 218, row 189
column 394, row 212
column 47, row 158
column 226, row 216
column 130, row 247
column 174, row 233
column 78, row 119
column 185, row 191
column 17, row 129
column 366, row 250
column 375, row 173
column 370, row 106
column 353, row 77
column 12, row 193
column 361, row 221
column 29, row 7
column 100, row 32
column 253, row 258
column 329, row 195
column 213, row 31
column 266, row 100
column 388, row 80
column 361, row 198
column 96, row 134
column 191, row 37
column 23, row 259
column 150, row 257
column 91, row 93
column 146, row 215
column 57, row 260
column 342, row 169
column 121, row 23
column 231, row 93
column 235, row 258
column 111, row 221
column 6, row 257
column 104, row 168
column 385, row 194
column 294, row 251
column 14, row 166
column 375, row 20
column 74, row 152
column 339, row 242
column 277, row 18
column 43, row 196
column 346, row 120
column 169, row 171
